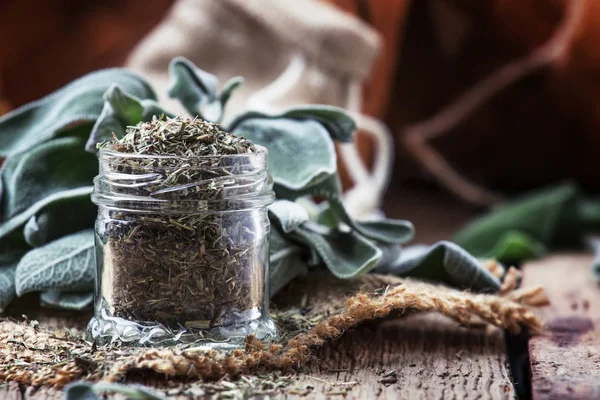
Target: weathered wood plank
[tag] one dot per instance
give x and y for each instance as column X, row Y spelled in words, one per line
column 565, row 363
column 432, row 357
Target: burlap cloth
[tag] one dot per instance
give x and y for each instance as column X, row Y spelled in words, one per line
column 309, row 312
column 323, row 50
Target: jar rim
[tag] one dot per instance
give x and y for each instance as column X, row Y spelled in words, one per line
column 262, row 151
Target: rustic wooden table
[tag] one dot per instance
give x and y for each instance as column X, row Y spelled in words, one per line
column 430, row 357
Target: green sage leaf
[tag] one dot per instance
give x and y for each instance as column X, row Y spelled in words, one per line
column 287, row 215
column 79, row 101
column 89, row 391
column 301, row 154
column 230, row 86
column 197, row 90
column 593, row 243
column 121, row 110
column 546, row 216
column 67, row 300
column 335, row 120
column 388, row 231
column 49, row 168
column 7, row 284
column 346, row 254
column 285, row 261
column 64, row 264
column 443, row 262
column 11, row 251
column 55, row 201
column 80, row 391
column 60, row 218
column 515, row 247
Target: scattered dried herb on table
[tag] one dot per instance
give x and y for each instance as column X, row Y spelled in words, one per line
column 194, row 269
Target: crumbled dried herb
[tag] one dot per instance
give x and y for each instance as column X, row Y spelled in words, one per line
column 188, row 258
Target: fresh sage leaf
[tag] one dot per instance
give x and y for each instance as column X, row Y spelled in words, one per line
column 346, row 254
column 11, row 250
column 546, row 216
column 388, row 231
column 79, row 101
column 54, row 201
column 88, row 391
column 55, row 166
column 66, row 300
column 197, row 90
column 64, row 264
column 335, row 120
column 7, row 284
column 121, row 110
column 443, row 262
column 301, row 154
column 80, row 391
column 230, row 86
column 60, row 218
column 287, row 215
column 285, row 261
column 515, row 247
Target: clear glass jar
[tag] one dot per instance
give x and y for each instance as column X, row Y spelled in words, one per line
column 182, row 249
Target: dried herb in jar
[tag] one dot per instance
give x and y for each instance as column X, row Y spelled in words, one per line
column 189, row 259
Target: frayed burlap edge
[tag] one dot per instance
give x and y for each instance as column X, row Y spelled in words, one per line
column 37, row 357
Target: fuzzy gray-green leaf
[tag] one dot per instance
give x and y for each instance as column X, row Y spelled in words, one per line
column 58, row 200
column 301, row 153
column 60, row 218
column 55, row 166
column 287, row 215
column 195, row 89
column 89, row 391
column 389, row 231
column 7, row 284
column 80, row 101
column 285, row 261
column 335, row 120
column 346, row 254
column 64, row 264
column 66, row 300
column 11, row 251
column 121, row 110
column 443, row 262
column 228, row 89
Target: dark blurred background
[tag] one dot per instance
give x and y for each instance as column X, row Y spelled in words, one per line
column 538, row 130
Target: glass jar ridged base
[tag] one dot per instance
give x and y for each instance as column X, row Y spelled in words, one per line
column 105, row 329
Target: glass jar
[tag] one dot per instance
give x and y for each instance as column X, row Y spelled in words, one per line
column 182, row 249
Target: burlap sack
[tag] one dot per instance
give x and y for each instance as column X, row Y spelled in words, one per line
column 290, row 52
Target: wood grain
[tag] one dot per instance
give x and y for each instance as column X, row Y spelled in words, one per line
column 565, row 363
column 433, row 358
